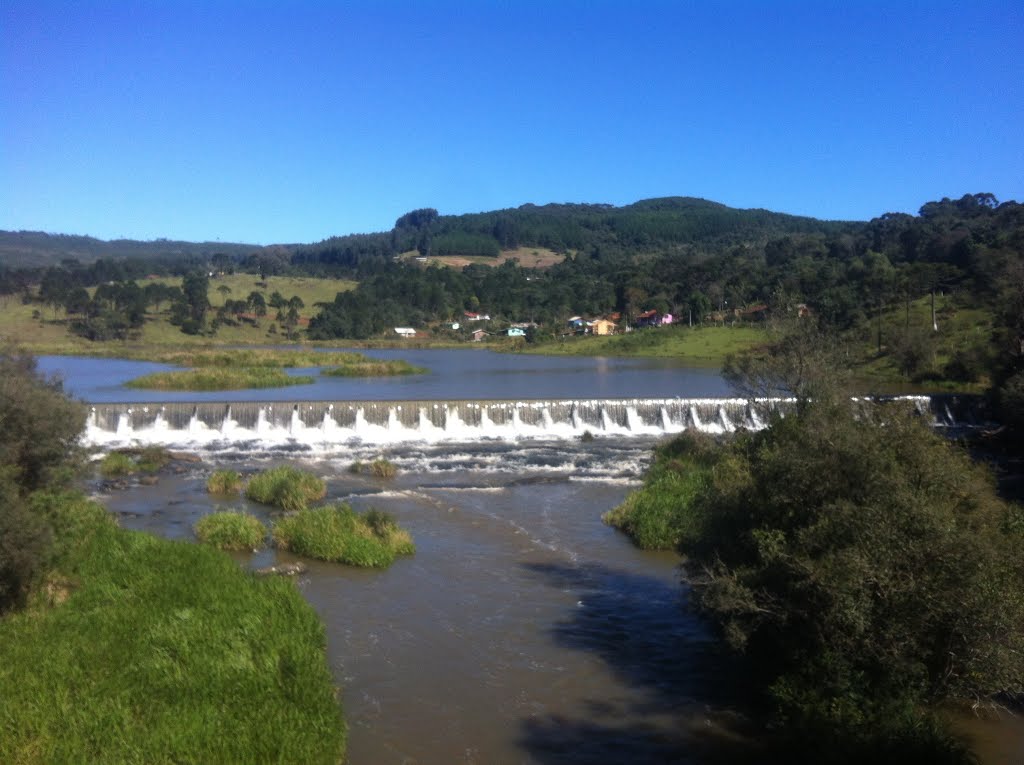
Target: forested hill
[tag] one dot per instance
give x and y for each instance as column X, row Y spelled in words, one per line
column 596, row 230
column 36, row 248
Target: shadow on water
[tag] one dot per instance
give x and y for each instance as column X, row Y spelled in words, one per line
column 640, row 628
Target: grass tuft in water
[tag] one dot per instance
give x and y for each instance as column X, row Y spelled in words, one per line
column 339, row 535
column 379, row 468
column 226, row 482
column 229, row 530
column 286, row 487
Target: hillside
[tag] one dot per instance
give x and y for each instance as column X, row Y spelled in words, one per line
column 551, row 230
column 36, row 248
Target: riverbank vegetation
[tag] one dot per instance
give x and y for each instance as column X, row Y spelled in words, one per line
column 117, row 646
column 860, row 566
column 286, row 487
column 229, row 530
column 655, row 516
column 340, row 535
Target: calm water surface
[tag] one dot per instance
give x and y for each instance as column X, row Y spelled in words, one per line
column 452, row 374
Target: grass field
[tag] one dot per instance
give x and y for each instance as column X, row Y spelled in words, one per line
column 706, row 345
column 47, row 332
column 964, row 332
column 527, row 257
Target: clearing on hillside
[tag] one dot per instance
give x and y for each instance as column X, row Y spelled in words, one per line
column 528, row 257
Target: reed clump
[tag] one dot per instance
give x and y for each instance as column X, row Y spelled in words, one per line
column 338, row 534
column 286, row 487
column 225, row 482
column 230, row 530
column 379, row 468
column 124, row 462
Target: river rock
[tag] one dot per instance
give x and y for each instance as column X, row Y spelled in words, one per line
column 283, row 569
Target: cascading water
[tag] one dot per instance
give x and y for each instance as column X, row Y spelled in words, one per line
column 392, row 422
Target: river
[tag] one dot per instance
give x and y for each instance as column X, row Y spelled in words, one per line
column 523, row 630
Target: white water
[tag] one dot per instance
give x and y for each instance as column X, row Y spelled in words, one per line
column 326, row 427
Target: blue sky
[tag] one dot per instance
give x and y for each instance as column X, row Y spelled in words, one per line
column 294, row 121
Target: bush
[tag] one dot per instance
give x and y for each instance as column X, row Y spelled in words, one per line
column 39, row 426
column 339, row 535
column 224, row 482
column 231, row 531
column 286, row 487
column 25, row 545
column 860, row 563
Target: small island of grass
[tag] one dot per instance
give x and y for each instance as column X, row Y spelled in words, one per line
column 286, row 487
column 362, row 366
column 229, row 530
column 242, row 369
column 338, row 534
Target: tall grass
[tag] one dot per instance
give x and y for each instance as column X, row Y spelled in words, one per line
column 229, row 530
column 340, row 535
column 163, row 652
column 286, row 487
column 365, row 367
column 666, row 510
column 379, row 468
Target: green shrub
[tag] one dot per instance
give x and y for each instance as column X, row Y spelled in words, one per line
column 116, row 465
column 339, row 535
column 860, row 564
column 286, row 487
column 224, row 482
column 231, row 531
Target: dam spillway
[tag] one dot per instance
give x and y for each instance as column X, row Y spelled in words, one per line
column 389, row 422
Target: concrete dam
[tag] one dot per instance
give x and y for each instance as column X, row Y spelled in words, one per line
column 326, row 422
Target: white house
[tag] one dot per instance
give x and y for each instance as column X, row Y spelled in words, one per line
column 405, row 331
